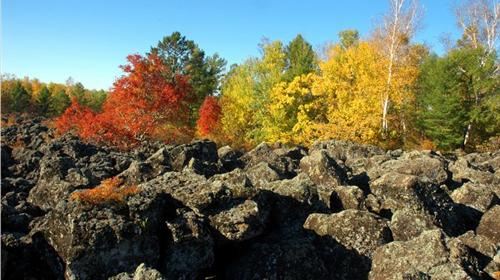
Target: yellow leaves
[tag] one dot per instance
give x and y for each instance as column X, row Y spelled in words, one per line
column 352, row 81
column 343, row 101
column 289, row 107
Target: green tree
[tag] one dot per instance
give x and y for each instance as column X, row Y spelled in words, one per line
column 20, row 98
column 43, row 101
column 458, row 98
column 184, row 57
column 78, row 91
column 441, row 115
column 348, row 38
column 59, row 102
column 300, row 58
column 96, row 99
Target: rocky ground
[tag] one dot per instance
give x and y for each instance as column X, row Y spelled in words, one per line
column 337, row 210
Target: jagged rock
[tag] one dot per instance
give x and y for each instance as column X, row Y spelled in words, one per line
column 191, row 249
column 493, row 268
column 396, row 191
column 343, row 150
column 229, row 159
column 322, row 169
column 479, row 243
column 477, row 196
column 280, row 161
column 237, row 182
column 301, row 188
column 241, row 222
column 360, row 230
column 98, row 241
column 489, row 225
column 203, row 213
column 208, row 169
column 393, row 260
column 347, row 197
column 463, row 170
column 407, row 223
column 204, row 150
column 261, row 174
column 427, row 167
column 53, row 184
column 399, row 191
column 141, row 273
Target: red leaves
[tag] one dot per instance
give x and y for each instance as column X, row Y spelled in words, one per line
column 210, row 112
column 141, row 104
column 72, row 119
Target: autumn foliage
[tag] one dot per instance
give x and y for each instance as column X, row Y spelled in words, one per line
column 142, row 105
column 210, row 112
column 109, row 190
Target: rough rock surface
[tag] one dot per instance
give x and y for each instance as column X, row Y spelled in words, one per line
column 339, row 210
column 359, row 230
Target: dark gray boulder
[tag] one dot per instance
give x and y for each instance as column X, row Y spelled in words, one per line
column 354, row 229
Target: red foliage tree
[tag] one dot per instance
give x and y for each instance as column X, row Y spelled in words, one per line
column 72, row 120
column 143, row 104
column 210, row 112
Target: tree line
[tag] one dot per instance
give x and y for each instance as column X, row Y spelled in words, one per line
column 30, row 96
column 381, row 89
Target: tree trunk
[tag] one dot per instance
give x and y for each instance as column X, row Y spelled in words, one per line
column 385, row 124
column 467, row 135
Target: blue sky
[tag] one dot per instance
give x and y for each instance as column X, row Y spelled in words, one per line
column 88, row 39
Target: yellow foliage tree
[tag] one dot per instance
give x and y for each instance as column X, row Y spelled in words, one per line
column 351, row 83
column 245, row 95
column 238, row 95
column 294, row 112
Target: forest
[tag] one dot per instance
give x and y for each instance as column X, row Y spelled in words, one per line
column 382, row 89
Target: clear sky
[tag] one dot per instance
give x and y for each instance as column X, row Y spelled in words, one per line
column 88, row 39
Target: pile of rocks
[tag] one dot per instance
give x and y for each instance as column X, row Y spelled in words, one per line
column 338, row 210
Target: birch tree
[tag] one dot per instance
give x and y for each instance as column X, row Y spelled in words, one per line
column 393, row 36
column 479, row 21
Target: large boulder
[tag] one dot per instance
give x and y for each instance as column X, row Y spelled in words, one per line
column 347, row 197
column 284, row 161
column 425, row 255
column 204, row 153
column 190, row 250
column 408, row 223
column 241, row 222
column 229, row 159
column 398, row 191
column 478, row 196
column 99, row 241
column 262, row 173
column 489, row 226
column 322, row 169
column 59, row 177
column 358, row 230
column 471, row 169
column 301, row 189
column 427, row 167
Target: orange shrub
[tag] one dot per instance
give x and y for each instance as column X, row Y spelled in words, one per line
column 109, row 190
